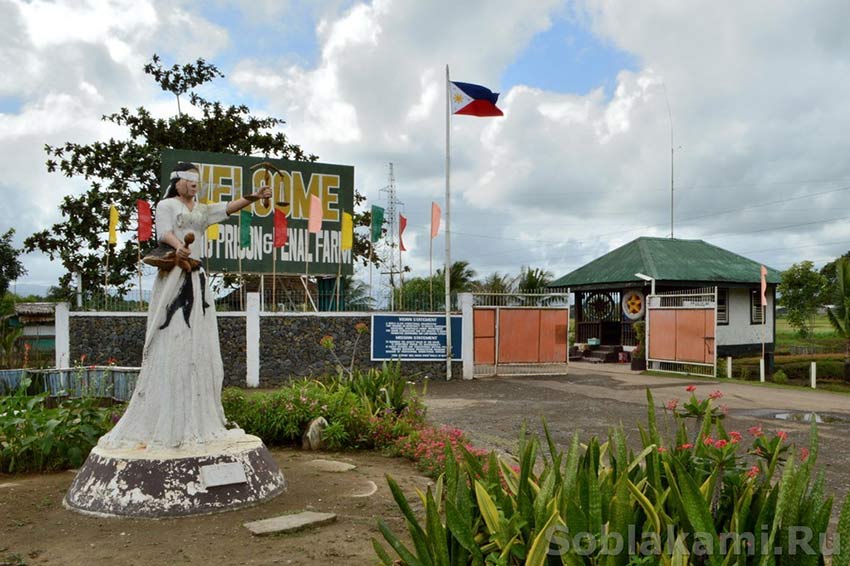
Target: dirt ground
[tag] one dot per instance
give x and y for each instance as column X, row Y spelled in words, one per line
column 36, row 529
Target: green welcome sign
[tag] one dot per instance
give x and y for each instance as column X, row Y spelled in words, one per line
column 227, row 177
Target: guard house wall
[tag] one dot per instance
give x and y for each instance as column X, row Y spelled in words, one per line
column 740, row 336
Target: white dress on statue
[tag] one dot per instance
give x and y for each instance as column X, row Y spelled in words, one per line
column 177, row 399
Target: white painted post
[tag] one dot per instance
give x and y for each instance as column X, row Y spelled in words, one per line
column 63, row 335
column 761, row 370
column 79, row 290
column 729, row 367
column 467, row 340
column 252, row 340
column 813, row 375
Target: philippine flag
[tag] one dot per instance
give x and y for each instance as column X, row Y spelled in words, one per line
column 474, row 100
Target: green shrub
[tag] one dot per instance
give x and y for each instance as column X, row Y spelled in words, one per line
column 780, row 377
column 281, row 417
column 35, row 438
column 684, row 494
column 363, row 409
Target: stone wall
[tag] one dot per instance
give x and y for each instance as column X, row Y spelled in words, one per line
column 101, row 338
column 289, row 346
column 231, row 336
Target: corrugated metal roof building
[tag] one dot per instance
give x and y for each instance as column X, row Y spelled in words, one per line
column 601, row 288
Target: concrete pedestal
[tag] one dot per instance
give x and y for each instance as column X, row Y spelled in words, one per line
column 217, row 476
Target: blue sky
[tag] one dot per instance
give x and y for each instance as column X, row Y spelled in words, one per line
column 568, row 58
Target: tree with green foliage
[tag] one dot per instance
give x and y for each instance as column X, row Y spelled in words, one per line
column 533, row 280
column 356, row 294
column 10, row 266
column 461, row 277
column 122, row 171
column 839, row 316
column 800, row 293
column 416, row 292
column 828, row 271
column 497, row 283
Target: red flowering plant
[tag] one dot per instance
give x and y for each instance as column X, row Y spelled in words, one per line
column 698, row 408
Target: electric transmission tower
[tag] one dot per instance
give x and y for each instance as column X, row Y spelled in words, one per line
column 392, row 253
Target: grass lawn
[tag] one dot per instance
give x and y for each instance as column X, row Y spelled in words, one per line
column 823, row 339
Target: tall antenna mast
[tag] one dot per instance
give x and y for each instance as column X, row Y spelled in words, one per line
column 670, row 114
column 391, row 259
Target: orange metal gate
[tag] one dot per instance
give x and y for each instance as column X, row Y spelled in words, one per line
column 681, row 333
column 520, row 340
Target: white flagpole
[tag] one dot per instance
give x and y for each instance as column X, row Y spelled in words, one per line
column 448, row 231
column 431, row 267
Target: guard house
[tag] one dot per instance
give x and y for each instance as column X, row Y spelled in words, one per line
column 610, row 292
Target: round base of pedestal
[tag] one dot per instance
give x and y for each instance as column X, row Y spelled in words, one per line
column 210, row 478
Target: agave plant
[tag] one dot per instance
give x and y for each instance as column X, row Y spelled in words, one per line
column 697, row 501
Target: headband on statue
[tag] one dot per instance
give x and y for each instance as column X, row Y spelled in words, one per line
column 187, row 175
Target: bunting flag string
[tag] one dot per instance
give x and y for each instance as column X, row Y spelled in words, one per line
column 435, row 219
column 347, row 241
column 280, row 228
column 377, row 223
column 402, row 224
column 113, row 224
column 145, row 220
column 245, row 229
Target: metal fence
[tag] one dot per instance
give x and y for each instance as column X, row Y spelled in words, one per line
column 288, row 299
column 520, row 299
column 82, row 381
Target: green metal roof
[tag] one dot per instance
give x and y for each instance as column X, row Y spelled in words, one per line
column 667, row 259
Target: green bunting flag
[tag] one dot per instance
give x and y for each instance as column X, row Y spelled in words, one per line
column 244, row 229
column 377, row 222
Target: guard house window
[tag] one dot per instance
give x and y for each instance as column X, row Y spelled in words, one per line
column 756, row 308
column 722, row 308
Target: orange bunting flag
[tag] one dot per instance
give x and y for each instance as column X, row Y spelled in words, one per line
column 113, row 224
column 763, row 286
column 280, row 227
column 402, row 224
column 435, row 219
column 145, row 230
column 314, row 225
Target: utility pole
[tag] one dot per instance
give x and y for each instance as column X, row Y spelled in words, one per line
column 670, row 114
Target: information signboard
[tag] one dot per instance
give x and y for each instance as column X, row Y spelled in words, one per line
column 414, row 337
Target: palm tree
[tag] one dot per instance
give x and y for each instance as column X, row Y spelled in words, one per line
column 356, row 294
column 533, row 280
column 461, row 277
column 839, row 316
column 496, row 283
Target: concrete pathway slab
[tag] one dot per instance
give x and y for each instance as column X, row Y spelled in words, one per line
column 290, row 523
column 331, row 465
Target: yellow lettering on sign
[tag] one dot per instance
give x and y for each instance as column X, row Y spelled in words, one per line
column 330, row 197
column 301, row 194
column 220, row 182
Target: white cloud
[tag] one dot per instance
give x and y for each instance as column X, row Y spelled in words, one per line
column 757, row 93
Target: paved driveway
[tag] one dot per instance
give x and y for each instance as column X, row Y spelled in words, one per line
column 491, row 410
